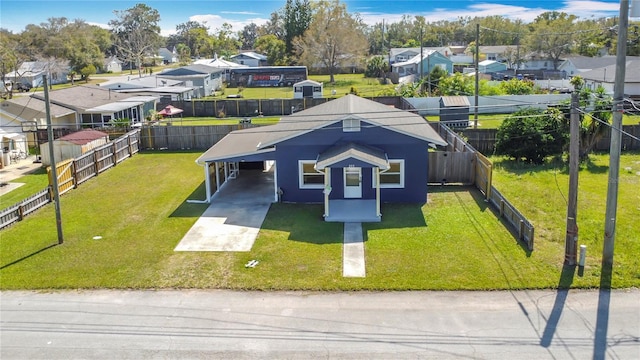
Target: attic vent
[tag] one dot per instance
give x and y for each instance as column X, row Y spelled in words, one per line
column 350, row 125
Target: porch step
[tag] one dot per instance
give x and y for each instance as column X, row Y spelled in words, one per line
column 357, row 211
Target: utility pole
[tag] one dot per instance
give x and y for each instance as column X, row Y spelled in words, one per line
column 54, row 170
column 421, row 56
column 571, row 240
column 475, row 109
column 616, row 137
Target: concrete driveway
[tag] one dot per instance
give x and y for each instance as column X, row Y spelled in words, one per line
column 234, row 218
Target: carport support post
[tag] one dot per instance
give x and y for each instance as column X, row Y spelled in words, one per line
column 207, row 180
column 217, row 176
column 377, row 170
column 327, row 186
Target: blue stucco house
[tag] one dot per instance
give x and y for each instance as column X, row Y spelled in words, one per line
column 346, row 151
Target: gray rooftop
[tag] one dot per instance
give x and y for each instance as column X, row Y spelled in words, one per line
column 248, row 141
column 607, row 74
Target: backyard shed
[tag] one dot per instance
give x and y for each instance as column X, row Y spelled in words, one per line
column 307, row 89
column 454, row 111
column 73, row 145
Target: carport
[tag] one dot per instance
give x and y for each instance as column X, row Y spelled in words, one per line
column 222, row 162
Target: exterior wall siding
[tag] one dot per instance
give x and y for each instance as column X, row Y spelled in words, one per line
column 397, row 146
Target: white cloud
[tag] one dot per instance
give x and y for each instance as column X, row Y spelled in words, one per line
column 586, row 8
column 582, row 8
column 214, row 22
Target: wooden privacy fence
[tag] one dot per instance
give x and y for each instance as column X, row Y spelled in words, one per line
column 266, row 107
column 461, row 163
column 74, row 172
column 484, row 140
column 200, row 137
column 25, row 207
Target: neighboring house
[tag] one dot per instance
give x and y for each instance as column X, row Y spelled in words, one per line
column 497, row 53
column 575, row 65
column 204, row 78
column 491, row 66
column 168, row 56
column 460, row 56
column 78, row 106
column 250, row 58
column 605, row 77
column 12, row 142
column 409, row 71
column 219, row 63
column 307, row 89
column 112, row 65
column 399, row 55
column 31, row 72
column 73, row 145
column 167, row 89
column 347, row 151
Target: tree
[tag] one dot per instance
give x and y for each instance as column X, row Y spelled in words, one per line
column 87, row 71
column 376, row 67
column 334, row 38
column 274, row 48
column 86, row 45
column 457, row 84
column 551, row 33
column 136, row 33
column 297, row 17
column 517, row 87
column 189, row 34
column 275, row 26
column 184, row 53
column 431, row 82
column 248, row 36
column 224, row 41
column 532, row 134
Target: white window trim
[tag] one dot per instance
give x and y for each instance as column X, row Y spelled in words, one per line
column 390, row 186
column 301, row 174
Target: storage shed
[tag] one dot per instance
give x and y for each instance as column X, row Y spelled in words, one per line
column 73, row 145
column 307, row 89
column 454, row 111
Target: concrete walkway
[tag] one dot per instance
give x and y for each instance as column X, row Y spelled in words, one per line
column 353, row 251
column 234, row 218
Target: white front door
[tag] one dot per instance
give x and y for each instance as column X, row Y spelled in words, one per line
column 352, row 182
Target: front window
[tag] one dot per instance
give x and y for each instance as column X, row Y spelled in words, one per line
column 308, row 177
column 392, row 178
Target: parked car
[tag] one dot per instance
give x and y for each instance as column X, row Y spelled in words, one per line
column 22, row 87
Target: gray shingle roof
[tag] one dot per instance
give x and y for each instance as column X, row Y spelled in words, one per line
column 607, row 74
column 371, row 113
column 83, row 97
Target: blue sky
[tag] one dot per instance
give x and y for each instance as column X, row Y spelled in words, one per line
column 16, row 14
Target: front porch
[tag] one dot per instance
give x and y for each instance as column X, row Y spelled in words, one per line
column 352, row 210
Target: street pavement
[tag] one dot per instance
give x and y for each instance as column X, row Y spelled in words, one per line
column 220, row 324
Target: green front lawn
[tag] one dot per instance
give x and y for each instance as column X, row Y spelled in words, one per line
column 455, row 241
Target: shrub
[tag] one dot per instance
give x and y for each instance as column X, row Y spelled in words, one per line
column 532, row 134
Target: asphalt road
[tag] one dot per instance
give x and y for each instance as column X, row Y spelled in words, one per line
column 297, row 325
